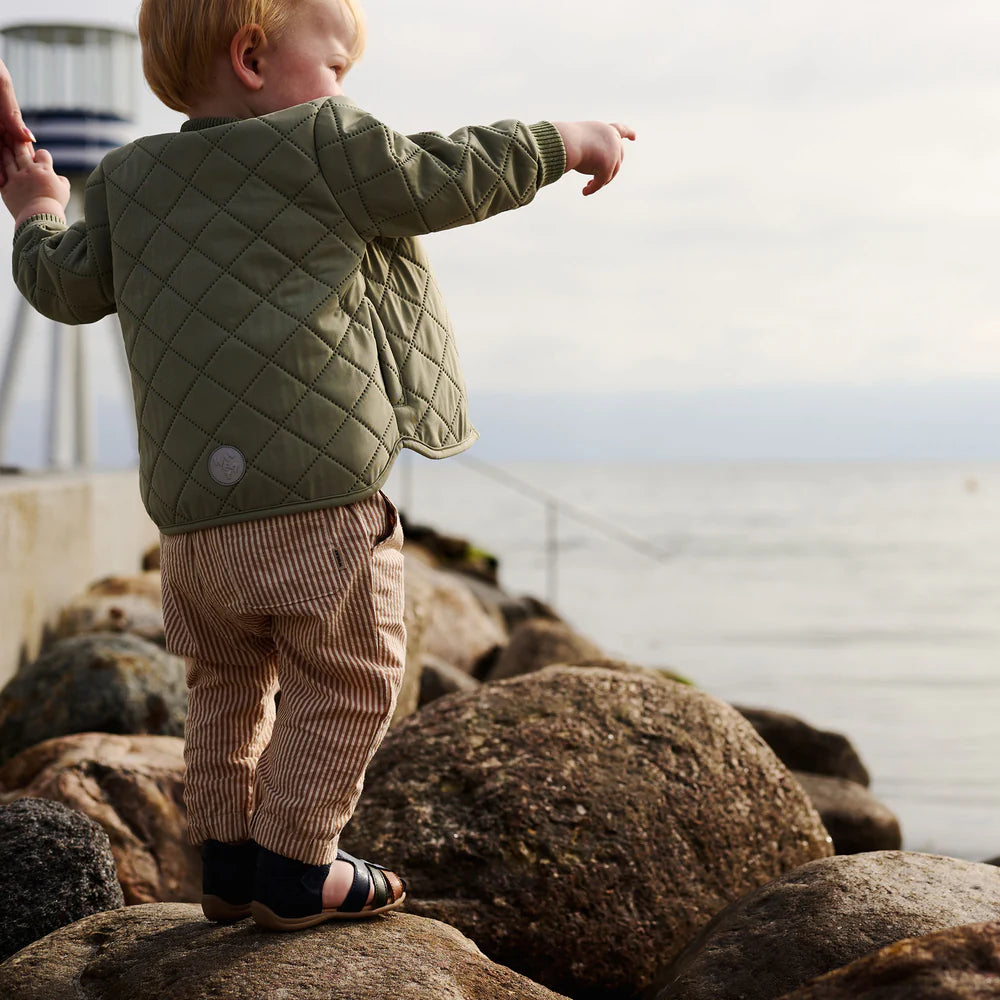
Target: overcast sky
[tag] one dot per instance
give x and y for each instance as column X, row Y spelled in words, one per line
column 814, row 196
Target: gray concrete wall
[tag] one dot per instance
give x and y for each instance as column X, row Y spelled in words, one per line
column 58, row 533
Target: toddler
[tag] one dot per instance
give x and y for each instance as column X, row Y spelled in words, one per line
column 286, row 339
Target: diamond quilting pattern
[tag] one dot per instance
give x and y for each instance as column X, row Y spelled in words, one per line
column 204, row 398
column 169, row 159
column 234, row 366
column 228, row 302
column 164, row 253
column 278, row 397
column 175, row 380
column 192, row 276
column 286, row 169
column 273, row 299
column 225, row 238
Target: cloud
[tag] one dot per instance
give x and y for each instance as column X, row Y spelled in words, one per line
column 813, row 193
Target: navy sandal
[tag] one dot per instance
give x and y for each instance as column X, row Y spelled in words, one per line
column 289, row 893
column 227, row 874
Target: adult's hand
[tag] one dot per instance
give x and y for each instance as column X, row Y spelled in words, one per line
column 13, row 132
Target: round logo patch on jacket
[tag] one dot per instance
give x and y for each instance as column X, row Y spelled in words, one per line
column 226, row 465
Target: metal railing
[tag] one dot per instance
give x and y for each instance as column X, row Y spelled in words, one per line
column 555, row 508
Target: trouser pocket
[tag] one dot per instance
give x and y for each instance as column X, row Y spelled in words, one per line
column 391, row 520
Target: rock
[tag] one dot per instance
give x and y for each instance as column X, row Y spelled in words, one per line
column 116, row 604
column 151, row 557
column 449, row 552
column 147, row 584
column 482, row 668
column 168, row 951
column 133, row 787
column 510, row 609
column 855, row 819
column 439, row 678
column 993, row 861
column 540, row 643
column 824, row 915
column 623, row 666
column 95, row 683
column 581, row 825
column 55, row 867
column 458, row 630
column 801, row 747
column 960, row 963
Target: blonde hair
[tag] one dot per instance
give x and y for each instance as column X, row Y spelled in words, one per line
column 181, row 39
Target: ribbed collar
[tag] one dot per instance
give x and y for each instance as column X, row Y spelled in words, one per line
column 196, row 124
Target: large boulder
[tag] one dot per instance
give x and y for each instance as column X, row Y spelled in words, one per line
column 55, row 867
column 802, row 747
column 458, row 629
column 855, row 819
column 581, row 825
column 959, row 963
column 95, row 683
column 825, row 915
column 511, row 609
column 169, row 952
column 540, row 643
column 116, row 604
column 438, row 678
column 663, row 674
column 133, row 787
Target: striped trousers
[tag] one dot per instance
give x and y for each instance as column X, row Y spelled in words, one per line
column 310, row 604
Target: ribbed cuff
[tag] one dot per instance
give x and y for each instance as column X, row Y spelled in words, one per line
column 41, row 217
column 552, row 164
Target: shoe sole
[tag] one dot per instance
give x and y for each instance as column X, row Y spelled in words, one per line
column 218, row 910
column 265, row 917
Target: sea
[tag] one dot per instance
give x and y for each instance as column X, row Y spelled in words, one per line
column 861, row 597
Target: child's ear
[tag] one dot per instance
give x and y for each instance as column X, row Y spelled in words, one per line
column 244, row 54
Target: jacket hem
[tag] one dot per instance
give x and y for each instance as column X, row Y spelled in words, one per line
column 413, row 444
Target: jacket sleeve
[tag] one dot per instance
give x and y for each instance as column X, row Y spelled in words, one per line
column 393, row 185
column 65, row 273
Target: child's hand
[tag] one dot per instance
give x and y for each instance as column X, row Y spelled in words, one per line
column 596, row 149
column 31, row 187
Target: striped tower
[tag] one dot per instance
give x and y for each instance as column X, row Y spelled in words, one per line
column 78, row 90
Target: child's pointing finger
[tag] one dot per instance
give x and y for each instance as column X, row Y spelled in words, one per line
column 624, row 131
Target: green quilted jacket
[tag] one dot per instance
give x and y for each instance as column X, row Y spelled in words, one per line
column 285, row 335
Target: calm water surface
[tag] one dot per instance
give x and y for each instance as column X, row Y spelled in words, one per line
column 862, row 597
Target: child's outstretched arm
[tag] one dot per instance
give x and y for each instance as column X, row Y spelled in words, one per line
column 392, row 185
column 596, row 149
